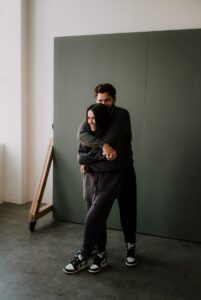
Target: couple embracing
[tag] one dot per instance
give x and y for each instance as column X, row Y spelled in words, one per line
column 106, row 162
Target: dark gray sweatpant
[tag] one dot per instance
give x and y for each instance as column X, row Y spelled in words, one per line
column 99, row 191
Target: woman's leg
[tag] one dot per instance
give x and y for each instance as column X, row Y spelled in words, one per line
column 95, row 229
column 108, row 186
column 107, row 190
column 101, row 244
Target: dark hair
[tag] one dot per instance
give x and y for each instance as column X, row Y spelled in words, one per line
column 105, row 88
column 102, row 118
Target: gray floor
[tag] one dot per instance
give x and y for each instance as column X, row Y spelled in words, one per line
column 31, row 264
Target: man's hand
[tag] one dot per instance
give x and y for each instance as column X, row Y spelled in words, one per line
column 109, row 152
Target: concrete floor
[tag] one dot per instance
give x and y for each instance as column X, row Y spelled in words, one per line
column 31, row 264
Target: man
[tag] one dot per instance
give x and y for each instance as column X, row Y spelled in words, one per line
column 120, row 128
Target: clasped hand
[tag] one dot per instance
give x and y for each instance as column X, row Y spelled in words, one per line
column 83, row 169
column 109, row 152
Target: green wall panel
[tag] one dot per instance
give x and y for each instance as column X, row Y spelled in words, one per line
column 169, row 200
column 158, row 79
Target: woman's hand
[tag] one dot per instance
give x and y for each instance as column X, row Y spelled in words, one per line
column 83, row 169
column 109, row 152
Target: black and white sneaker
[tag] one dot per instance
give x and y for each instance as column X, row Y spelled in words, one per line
column 131, row 260
column 76, row 265
column 99, row 262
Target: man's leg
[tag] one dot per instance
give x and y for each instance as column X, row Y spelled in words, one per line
column 128, row 213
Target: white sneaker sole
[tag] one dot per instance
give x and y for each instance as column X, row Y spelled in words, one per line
column 130, row 265
column 98, row 270
column 74, row 271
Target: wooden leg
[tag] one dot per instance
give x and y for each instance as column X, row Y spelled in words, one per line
column 36, row 211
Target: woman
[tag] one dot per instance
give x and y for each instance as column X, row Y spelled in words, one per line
column 101, row 186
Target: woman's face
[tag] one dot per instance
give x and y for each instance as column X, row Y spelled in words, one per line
column 91, row 120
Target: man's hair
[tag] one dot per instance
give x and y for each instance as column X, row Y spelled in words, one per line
column 105, row 88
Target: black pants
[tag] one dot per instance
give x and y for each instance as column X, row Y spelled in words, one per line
column 100, row 191
column 128, row 205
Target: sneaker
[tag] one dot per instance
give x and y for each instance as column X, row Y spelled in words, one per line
column 94, row 252
column 99, row 262
column 76, row 265
column 131, row 260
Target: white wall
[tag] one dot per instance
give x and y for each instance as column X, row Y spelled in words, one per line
column 1, row 173
column 10, row 96
column 50, row 18
column 24, row 102
column 47, row 19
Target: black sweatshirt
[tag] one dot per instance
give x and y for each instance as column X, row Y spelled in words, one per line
column 95, row 161
column 118, row 136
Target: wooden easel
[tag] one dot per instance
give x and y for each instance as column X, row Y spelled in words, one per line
column 36, row 211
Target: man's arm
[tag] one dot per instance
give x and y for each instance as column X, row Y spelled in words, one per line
column 119, row 128
column 90, row 141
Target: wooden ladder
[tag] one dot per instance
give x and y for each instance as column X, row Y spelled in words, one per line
column 36, row 211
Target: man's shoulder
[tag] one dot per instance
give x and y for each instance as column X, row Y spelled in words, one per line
column 121, row 110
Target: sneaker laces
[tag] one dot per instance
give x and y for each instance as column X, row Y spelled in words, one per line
column 77, row 259
column 98, row 259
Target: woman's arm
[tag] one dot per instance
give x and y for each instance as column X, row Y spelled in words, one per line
column 92, row 160
column 87, row 155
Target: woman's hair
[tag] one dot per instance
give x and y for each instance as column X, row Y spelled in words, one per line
column 102, row 118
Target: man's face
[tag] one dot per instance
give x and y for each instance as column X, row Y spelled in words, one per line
column 105, row 99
